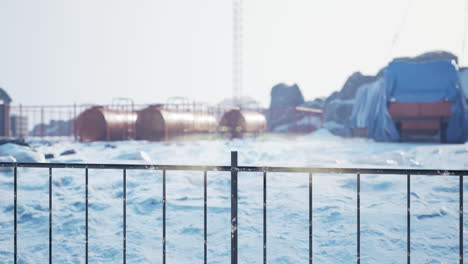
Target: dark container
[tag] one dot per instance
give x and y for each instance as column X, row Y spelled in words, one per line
column 5, row 101
column 19, row 126
column 238, row 122
column 420, row 110
column 104, row 124
column 4, row 120
column 360, row 132
column 155, row 123
column 421, row 119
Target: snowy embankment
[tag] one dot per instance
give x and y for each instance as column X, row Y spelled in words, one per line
column 383, row 203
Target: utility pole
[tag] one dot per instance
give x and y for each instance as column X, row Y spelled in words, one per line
column 237, row 78
column 465, row 27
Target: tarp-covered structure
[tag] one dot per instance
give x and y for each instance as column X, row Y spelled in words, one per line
column 406, row 82
column 464, row 81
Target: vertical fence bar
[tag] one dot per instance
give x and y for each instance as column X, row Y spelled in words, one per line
column 264, row 217
column 358, row 218
column 15, row 212
column 86, row 216
column 20, row 122
column 69, row 125
column 50, row 215
column 205, row 218
column 408, row 218
column 310, row 220
column 42, row 122
column 233, row 207
column 164, row 218
column 461, row 219
column 74, row 122
column 124, row 216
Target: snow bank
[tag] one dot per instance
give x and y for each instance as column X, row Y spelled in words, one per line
column 21, row 153
column 323, row 133
column 302, row 124
column 139, row 155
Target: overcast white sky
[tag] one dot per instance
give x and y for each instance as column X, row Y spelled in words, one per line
column 64, row 51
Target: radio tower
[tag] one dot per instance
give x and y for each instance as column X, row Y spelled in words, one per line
column 237, row 52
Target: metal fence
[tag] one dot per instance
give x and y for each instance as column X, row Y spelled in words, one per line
column 234, row 168
column 58, row 121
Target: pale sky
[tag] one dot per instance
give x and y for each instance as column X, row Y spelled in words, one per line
column 64, row 51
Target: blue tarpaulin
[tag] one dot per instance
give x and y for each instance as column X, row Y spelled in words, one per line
column 370, row 111
column 422, row 82
column 407, row 81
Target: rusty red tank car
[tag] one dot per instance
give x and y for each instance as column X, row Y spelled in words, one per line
column 414, row 119
column 238, row 122
column 103, row 124
column 155, row 123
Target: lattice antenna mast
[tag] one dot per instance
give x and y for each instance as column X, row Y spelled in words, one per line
column 237, row 78
column 465, row 27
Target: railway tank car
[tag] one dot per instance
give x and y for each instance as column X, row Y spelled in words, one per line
column 155, row 123
column 103, row 124
column 238, row 123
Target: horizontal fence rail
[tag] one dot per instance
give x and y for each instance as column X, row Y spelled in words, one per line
column 234, row 169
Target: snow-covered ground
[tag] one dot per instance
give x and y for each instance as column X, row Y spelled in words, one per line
column 383, row 200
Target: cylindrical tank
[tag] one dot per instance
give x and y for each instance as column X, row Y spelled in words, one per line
column 100, row 124
column 155, row 123
column 238, row 122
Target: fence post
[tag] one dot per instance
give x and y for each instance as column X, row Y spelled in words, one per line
column 86, row 216
column 461, row 219
column 264, row 217
column 358, row 208
column 124, row 201
column 205, row 218
column 164, row 218
column 15, row 214
column 310, row 219
column 50, row 215
column 234, row 207
column 408, row 218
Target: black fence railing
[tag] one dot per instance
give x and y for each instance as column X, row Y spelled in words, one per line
column 234, row 169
